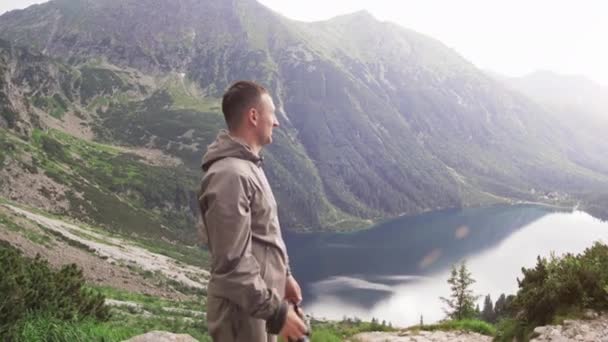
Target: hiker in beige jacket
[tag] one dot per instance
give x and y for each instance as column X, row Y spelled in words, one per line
column 251, row 288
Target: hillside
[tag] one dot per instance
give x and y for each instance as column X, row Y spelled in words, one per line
column 367, row 133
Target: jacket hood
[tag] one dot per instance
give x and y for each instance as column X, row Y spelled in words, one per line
column 226, row 146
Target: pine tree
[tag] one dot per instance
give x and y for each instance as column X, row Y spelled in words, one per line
column 487, row 314
column 461, row 303
column 500, row 307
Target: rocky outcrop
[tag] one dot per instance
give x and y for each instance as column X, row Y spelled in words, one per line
column 162, row 336
column 595, row 329
column 421, row 336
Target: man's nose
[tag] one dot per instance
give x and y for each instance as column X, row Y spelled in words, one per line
column 275, row 123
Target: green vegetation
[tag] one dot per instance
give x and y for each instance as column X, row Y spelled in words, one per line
column 44, row 328
column 185, row 96
column 182, row 133
column 39, row 303
column 190, row 255
column 460, row 308
column 121, row 191
column 114, row 189
column 461, row 304
column 362, row 137
column 152, row 303
column 10, row 117
column 33, row 235
column 9, row 224
column 55, row 105
column 338, row 331
column 472, row 325
column 30, row 287
column 557, row 288
column 99, row 82
column 121, row 326
column 7, row 148
column 178, row 316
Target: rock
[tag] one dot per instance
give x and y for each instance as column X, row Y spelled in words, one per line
column 162, row 336
column 555, row 332
column 568, row 322
column 575, row 330
column 595, row 330
column 590, row 314
column 421, row 336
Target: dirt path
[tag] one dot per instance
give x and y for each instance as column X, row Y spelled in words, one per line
column 109, row 253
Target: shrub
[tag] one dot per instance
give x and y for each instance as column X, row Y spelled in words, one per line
column 558, row 287
column 473, row 325
column 30, row 286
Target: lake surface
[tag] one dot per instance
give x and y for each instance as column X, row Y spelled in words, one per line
column 397, row 270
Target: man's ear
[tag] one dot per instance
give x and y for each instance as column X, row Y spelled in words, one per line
column 253, row 116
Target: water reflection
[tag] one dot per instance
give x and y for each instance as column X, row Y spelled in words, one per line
column 398, row 270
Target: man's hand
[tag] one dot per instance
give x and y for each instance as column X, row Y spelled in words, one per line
column 294, row 327
column 293, row 293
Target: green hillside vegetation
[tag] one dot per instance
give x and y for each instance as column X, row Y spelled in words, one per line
column 557, row 288
column 366, row 134
column 108, row 186
column 57, row 305
column 30, row 287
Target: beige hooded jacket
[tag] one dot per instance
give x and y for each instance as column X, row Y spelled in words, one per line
column 249, row 263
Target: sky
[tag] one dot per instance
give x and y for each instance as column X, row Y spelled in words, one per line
column 512, row 37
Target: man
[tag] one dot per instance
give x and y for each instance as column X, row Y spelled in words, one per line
column 251, row 288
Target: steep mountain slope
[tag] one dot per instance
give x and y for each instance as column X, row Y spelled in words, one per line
column 376, row 120
column 581, row 105
column 567, row 93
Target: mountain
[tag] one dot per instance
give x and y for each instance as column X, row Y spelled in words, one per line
column 571, row 95
column 376, row 120
column 579, row 104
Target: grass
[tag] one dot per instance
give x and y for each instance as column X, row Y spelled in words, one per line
column 184, row 95
column 28, row 233
column 100, row 101
column 150, row 302
column 338, row 331
column 90, row 237
column 508, row 330
column 8, row 148
column 98, row 81
column 133, row 323
column 55, row 105
column 114, row 189
column 41, row 328
column 194, row 256
column 472, row 325
column 9, row 224
column 181, row 253
column 69, row 241
column 40, row 239
column 119, row 328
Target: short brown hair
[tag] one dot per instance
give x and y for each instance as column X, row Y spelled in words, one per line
column 241, row 96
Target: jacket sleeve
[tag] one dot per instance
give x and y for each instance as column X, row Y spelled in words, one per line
column 226, row 213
